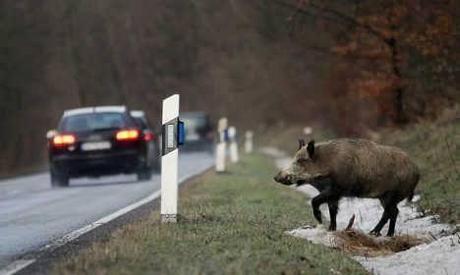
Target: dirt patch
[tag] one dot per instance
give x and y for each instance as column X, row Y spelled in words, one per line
column 358, row 243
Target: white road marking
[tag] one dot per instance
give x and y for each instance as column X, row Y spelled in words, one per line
column 20, row 264
column 85, row 229
column 16, row 266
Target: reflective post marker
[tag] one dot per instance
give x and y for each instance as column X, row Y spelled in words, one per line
column 221, row 145
column 248, row 142
column 169, row 158
column 234, row 157
column 307, row 130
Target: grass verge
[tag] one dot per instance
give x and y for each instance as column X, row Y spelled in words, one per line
column 435, row 147
column 231, row 224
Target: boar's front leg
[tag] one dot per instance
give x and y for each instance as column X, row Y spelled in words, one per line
column 333, row 209
column 315, row 204
column 325, row 196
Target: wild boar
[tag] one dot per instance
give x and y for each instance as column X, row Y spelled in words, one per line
column 353, row 168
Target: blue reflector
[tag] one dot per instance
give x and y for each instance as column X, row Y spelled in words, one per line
column 226, row 136
column 180, row 133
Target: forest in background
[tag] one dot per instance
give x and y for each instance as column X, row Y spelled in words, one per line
column 349, row 65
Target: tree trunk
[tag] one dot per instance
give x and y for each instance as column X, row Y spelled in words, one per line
column 398, row 102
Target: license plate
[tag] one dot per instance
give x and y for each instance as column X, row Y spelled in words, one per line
column 93, row 146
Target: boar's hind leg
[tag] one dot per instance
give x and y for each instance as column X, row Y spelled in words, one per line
column 393, row 215
column 390, row 212
column 382, row 222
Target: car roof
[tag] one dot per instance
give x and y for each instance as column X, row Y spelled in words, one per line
column 193, row 114
column 137, row 114
column 95, row 109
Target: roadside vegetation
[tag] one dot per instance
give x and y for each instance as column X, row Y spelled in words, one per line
column 435, row 146
column 232, row 223
column 286, row 137
column 350, row 65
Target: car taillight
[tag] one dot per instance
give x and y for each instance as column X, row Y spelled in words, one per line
column 148, row 136
column 63, row 140
column 127, row 135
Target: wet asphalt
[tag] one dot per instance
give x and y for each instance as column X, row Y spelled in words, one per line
column 32, row 214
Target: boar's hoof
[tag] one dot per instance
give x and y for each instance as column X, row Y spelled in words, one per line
column 390, row 234
column 375, row 233
column 317, row 215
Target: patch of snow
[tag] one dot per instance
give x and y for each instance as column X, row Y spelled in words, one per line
column 441, row 256
column 438, row 257
column 316, row 234
column 368, row 212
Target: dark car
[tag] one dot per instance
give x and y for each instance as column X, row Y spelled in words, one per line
column 154, row 146
column 97, row 141
column 199, row 132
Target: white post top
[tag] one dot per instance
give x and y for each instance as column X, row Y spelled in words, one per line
column 249, row 134
column 222, row 125
column 170, row 108
column 231, row 132
column 307, row 130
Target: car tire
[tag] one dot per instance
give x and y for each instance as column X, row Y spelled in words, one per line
column 157, row 165
column 59, row 180
column 210, row 148
column 144, row 174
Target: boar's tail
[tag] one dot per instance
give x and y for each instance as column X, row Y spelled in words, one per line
column 411, row 193
column 411, row 196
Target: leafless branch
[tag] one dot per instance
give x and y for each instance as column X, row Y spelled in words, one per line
column 333, row 15
column 350, row 223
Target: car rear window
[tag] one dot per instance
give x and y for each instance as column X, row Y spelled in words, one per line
column 93, row 122
column 194, row 122
column 141, row 122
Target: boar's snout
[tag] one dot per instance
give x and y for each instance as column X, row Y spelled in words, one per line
column 283, row 178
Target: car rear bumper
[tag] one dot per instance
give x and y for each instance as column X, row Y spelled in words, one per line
column 98, row 164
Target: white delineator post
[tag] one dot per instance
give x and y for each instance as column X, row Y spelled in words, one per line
column 234, row 157
column 221, row 145
column 248, row 142
column 169, row 160
column 307, row 130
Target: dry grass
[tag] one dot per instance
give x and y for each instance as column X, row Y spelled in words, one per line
column 358, row 243
column 232, row 223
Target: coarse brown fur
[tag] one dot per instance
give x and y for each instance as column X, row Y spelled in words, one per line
column 353, row 168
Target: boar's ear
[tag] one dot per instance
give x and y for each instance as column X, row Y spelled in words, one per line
column 301, row 144
column 311, row 148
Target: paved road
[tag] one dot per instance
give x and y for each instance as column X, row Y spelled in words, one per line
column 32, row 213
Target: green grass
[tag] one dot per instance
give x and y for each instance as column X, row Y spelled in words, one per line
column 231, row 224
column 435, row 147
column 285, row 137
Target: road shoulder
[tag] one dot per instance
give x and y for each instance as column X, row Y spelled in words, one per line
column 230, row 223
column 40, row 261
